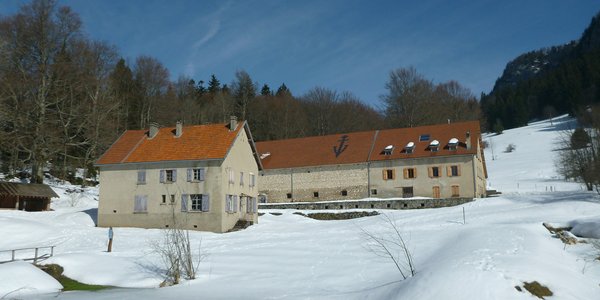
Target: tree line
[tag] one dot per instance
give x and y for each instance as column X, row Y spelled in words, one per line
column 65, row 98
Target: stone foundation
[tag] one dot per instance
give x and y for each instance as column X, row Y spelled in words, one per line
column 370, row 204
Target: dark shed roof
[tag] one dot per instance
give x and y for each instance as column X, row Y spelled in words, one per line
column 26, row 190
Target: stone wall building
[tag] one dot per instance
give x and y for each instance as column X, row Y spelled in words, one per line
column 438, row 161
column 203, row 177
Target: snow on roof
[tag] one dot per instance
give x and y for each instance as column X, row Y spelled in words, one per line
column 453, row 141
column 265, row 155
column 434, row 143
column 410, row 145
column 389, row 147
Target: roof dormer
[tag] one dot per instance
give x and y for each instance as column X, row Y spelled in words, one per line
column 388, row 150
column 434, row 146
column 409, row 148
column 452, row 144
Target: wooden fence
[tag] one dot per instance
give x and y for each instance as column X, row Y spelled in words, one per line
column 38, row 254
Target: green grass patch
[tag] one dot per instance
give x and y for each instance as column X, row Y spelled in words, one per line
column 69, row 284
column 538, row 290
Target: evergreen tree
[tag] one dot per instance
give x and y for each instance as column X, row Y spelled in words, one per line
column 265, row 91
column 214, row 85
column 283, row 91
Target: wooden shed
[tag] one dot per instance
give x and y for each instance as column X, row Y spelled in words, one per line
column 22, row 196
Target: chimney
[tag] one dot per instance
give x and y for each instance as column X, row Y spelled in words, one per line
column 468, row 139
column 153, row 130
column 178, row 129
column 232, row 123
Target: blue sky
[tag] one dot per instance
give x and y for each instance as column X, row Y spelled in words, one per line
column 344, row 45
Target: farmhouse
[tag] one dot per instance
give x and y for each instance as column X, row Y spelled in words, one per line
column 29, row 197
column 438, row 161
column 199, row 177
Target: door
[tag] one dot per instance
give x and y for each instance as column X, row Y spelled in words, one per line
column 407, row 192
column 436, row 192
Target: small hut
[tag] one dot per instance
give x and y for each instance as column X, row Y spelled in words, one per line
column 22, row 196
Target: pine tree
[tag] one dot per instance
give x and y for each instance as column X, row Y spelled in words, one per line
column 265, row 91
column 214, row 85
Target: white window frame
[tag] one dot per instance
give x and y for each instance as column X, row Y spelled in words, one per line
column 198, row 205
column 241, row 178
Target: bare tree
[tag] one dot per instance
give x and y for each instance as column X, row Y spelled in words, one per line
column 176, row 252
column 153, row 80
column 391, row 245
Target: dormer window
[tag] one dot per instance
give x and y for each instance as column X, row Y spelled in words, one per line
column 434, row 146
column 388, row 150
column 409, row 148
column 452, row 143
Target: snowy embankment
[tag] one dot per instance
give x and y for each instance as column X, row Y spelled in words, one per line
column 502, row 245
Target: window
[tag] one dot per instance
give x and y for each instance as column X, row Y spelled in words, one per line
column 231, row 203
column 241, row 178
column 164, row 199
column 424, row 137
column 374, row 192
column 141, row 177
column 455, row 191
column 409, row 148
column 252, row 182
column 389, row 174
column 344, row 193
column 407, row 192
column 195, row 174
column 168, row 176
column 410, row 173
column 388, row 150
column 436, row 192
column 251, row 205
column 140, row 204
column 316, row 194
column 289, row 195
column 453, row 170
column 231, row 177
column 172, row 199
column 452, row 143
column 199, row 202
column 434, row 172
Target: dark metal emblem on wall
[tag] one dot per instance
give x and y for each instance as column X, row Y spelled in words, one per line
column 342, row 146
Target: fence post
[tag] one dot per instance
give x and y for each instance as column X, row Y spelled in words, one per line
column 51, row 250
column 13, row 255
column 35, row 257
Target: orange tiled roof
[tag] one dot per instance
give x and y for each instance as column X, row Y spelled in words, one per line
column 360, row 147
column 198, row 142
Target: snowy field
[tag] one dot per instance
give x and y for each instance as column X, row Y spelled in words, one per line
column 502, row 245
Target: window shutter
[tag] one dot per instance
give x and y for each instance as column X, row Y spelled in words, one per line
column 162, row 176
column 201, row 174
column 449, row 171
column 384, row 171
column 415, row 172
column 136, row 203
column 254, row 205
column 190, row 174
column 430, row 172
column 145, row 203
column 184, row 202
column 241, row 178
column 458, row 170
column 174, row 175
column 235, row 203
column 405, row 173
column 227, row 203
column 205, row 202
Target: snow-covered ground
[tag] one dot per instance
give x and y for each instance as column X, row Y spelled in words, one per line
column 287, row 256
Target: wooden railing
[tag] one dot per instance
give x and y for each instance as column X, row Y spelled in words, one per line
column 37, row 256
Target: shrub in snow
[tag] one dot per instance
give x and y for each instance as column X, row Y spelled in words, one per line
column 391, row 245
column 510, row 148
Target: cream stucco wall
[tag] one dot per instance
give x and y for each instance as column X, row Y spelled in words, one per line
column 119, row 186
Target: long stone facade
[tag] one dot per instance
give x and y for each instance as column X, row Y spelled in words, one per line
column 397, row 163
